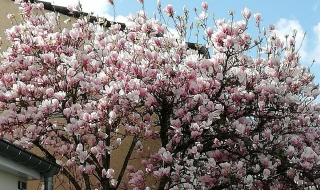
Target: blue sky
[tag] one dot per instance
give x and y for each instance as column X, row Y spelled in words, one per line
column 304, row 16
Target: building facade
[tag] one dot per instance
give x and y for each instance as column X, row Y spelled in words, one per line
column 17, row 166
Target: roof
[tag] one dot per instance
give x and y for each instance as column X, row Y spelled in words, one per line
column 27, row 158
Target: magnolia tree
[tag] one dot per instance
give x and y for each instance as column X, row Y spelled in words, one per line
column 229, row 122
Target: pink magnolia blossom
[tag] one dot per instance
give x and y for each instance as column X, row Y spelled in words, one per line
column 111, row 2
column 110, row 173
column 271, row 27
column 209, row 32
column 257, row 16
column 113, row 182
column 185, row 121
column 82, row 156
column 203, row 16
column 266, row 173
column 10, row 16
column 89, row 169
column 246, row 13
column 204, row 6
column 104, row 172
column 70, row 8
column 40, row 6
column 169, row 10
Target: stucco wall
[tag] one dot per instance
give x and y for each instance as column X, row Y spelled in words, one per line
column 7, row 7
column 8, row 181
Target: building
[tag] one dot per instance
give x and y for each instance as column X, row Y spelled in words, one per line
column 18, row 165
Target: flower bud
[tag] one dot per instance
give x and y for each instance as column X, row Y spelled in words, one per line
column 111, row 2
column 204, row 6
column 10, row 16
column 271, row 27
column 246, row 13
column 169, row 10
column 257, row 16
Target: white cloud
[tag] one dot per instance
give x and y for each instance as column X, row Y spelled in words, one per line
column 173, row 32
column 315, row 53
column 310, row 50
column 99, row 7
column 119, row 18
column 286, row 27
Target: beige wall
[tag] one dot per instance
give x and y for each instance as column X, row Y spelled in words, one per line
column 7, row 6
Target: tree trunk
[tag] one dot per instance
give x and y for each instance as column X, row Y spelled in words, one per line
column 165, row 114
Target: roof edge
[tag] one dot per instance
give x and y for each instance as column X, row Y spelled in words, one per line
column 28, row 159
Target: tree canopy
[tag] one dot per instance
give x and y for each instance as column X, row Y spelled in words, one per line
column 232, row 121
